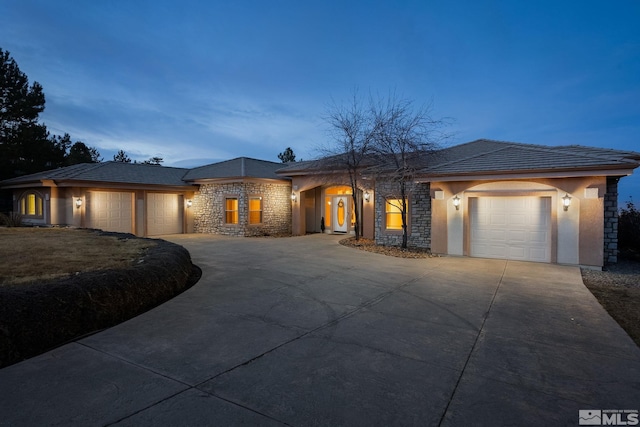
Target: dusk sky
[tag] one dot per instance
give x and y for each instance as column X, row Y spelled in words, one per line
column 196, row 82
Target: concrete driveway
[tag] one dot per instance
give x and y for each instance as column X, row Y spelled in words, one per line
column 302, row 331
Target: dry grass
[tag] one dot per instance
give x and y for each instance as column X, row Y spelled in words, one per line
column 30, row 255
column 618, row 291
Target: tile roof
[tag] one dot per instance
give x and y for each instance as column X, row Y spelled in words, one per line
column 488, row 156
column 473, row 158
column 114, row 172
column 241, row 167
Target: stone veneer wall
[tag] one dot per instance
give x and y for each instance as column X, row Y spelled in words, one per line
column 419, row 233
column 611, row 221
column 209, row 208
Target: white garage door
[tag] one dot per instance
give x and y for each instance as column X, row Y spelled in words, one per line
column 517, row 228
column 110, row 211
column 164, row 214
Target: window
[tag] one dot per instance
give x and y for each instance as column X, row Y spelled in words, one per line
column 255, row 210
column 393, row 214
column 31, row 204
column 231, row 210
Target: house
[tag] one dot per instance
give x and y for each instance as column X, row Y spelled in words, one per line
column 237, row 197
column 484, row 198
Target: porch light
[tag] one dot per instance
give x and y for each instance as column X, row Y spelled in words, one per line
column 293, row 197
column 189, row 203
column 456, row 202
column 566, row 202
column 78, row 202
column 367, row 196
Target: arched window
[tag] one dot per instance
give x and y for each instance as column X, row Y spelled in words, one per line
column 31, row 204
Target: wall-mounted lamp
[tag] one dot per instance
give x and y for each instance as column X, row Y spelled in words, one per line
column 294, row 197
column 189, row 203
column 367, row 196
column 78, row 202
column 456, row 202
column 566, row 202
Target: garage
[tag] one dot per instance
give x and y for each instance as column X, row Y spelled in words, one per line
column 110, row 211
column 516, row 228
column 164, row 214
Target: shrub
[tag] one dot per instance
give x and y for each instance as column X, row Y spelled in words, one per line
column 12, row 219
column 629, row 227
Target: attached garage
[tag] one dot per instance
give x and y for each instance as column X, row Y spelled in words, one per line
column 516, row 228
column 164, row 214
column 110, row 211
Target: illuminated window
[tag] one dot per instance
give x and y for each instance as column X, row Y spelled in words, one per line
column 231, row 210
column 31, row 204
column 393, row 214
column 255, row 210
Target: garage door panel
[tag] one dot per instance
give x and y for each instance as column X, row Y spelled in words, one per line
column 517, row 236
column 164, row 214
column 511, row 227
column 516, row 252
column 497, row 219
column 110, row 211
column 539, row 237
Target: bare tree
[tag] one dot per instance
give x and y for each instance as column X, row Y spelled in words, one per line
column 350, row 128
column 403, row 136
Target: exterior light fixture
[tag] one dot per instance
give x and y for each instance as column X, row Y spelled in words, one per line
column 78, row 202
column 456, row 202
column 566, row 202
column 189, row 203
column 293, row 197
column 367, row 196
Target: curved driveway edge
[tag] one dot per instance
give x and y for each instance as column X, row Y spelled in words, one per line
column 302, row 331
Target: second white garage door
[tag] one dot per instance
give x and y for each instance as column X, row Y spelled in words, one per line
column 517, row 228
column 164, row 214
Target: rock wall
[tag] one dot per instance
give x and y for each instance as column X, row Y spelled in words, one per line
column 419, row 212
column 611, row 221
column 209, row 208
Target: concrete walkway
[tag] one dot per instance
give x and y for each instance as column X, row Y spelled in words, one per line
column 302, row 331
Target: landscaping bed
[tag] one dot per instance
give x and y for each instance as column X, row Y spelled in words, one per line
column 38, row 315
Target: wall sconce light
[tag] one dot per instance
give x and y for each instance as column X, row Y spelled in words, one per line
column 78, row 202
column 566, row 202
column 367, row 196
column 294, row 197
column 189, row 203
column 456, row 202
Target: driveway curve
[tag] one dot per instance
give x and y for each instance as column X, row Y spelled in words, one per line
column 303, row 331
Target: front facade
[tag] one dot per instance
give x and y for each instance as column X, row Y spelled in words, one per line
column 487, row 199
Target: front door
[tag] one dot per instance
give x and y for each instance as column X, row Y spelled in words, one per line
column 340, row 214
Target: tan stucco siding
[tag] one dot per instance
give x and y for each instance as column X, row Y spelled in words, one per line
column 577, row 234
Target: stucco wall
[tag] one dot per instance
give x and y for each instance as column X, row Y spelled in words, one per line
column 209, row 208
column 419, row 215
column 577, row 234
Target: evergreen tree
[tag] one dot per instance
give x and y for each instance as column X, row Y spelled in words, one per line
column 80, row 153
column 287, row 156
column 121, row 156
column 24, row 143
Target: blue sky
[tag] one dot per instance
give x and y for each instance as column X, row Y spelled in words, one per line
column 195, row 82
